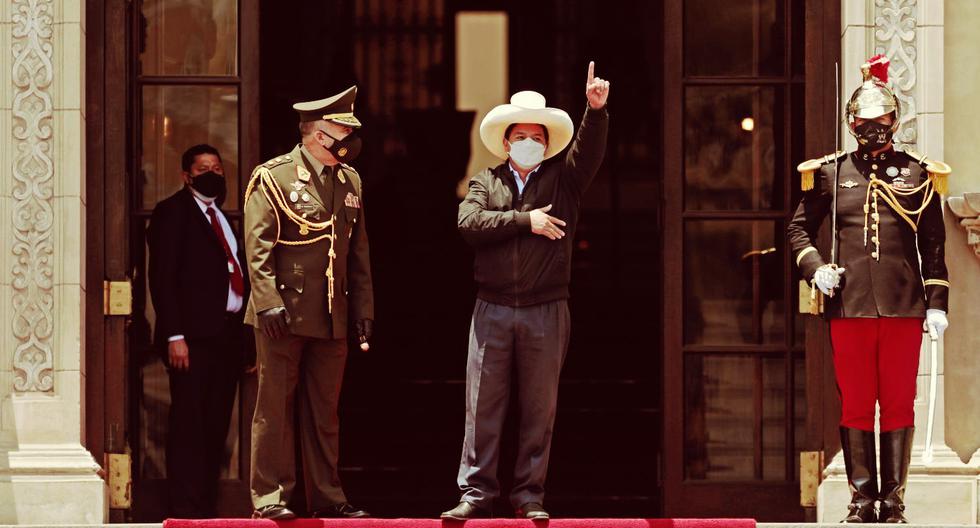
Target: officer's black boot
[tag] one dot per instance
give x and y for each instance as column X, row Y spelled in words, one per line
column 862, row 474
column 896, row 453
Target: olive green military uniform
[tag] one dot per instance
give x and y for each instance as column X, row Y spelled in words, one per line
column 307, row 251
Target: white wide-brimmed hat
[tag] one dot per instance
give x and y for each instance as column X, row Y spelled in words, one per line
column 526, row 107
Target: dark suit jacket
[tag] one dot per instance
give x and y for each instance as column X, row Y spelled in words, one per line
column 188, row 271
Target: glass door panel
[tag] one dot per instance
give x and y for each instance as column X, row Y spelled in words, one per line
column 176, row 118
column 189, row 38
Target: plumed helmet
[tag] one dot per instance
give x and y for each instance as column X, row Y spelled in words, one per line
column 874, row 98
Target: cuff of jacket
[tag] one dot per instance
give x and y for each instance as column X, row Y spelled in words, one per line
column 271, row 301
column 808, row 260
column 523, row 220
column 937, row 295
column 599, row 114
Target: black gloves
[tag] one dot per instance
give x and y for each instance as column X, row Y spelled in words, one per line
column 364, row 328
column 274, row 322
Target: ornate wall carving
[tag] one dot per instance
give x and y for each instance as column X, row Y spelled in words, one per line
column 967, row 209
column 895, row 37
column 32, row 170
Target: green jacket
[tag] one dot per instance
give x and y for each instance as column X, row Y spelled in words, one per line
column 290, row 218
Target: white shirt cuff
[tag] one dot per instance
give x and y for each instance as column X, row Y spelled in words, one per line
column 171, row 339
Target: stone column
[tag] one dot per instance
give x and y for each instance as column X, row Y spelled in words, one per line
column 46, row 474
column 942, row 489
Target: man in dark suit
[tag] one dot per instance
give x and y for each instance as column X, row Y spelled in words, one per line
column 198, row 290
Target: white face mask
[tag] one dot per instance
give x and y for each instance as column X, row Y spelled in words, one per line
column 527, row 153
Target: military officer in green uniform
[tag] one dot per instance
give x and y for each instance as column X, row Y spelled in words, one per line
column 308, row 261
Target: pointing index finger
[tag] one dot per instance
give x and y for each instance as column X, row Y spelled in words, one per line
column 591, row 72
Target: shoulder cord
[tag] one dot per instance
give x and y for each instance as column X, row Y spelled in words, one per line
column 891, row 196
column 268, row 185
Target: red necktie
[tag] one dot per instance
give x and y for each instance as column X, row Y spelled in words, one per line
column 237, row 282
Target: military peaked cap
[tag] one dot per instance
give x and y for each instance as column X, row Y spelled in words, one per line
column 337, row 108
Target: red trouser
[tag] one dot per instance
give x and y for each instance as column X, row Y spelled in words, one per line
column 876, row 360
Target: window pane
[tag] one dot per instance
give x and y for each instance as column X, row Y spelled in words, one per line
column 732, row 148
column 190, row 38
column 722, row 37
column 176, row 118
column 733, row 282
column 722, row 396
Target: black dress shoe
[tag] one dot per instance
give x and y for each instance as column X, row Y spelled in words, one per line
column 341, row 511
column 274, row 512
column 533, row 511
column 465, row 510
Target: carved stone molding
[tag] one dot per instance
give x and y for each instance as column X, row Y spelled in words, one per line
column 895, row 37
column 33, row 218
column 967, row 208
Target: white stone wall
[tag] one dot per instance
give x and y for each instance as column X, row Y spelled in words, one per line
column 46, row 475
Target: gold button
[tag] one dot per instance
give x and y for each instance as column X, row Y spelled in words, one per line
column 874, row 226
column 874, row 254
column 282, row 286
column 874, row 239
column 873, row 175
column 874, row 166
column 876, row 216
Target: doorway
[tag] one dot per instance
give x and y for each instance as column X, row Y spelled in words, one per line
column 402, row 405
column 656, row 346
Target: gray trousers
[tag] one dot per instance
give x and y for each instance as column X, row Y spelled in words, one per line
column 507, row 344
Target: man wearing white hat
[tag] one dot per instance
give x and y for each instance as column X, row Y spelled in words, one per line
column 522, row 266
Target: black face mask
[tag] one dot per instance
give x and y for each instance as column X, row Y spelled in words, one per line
column 209, row 184
column 345, row 150
column 872, row 135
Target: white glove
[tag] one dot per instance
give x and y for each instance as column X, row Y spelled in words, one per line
column 827, row 278
column 936, row 323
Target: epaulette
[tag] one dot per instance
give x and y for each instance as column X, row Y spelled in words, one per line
column 278, row 160
column 938, row 171
column 256, row 176
column 808, row 167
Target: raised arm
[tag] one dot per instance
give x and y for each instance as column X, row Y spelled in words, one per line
column 585, row 155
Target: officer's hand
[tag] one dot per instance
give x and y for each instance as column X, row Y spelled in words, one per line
column 936, row 323
column 274, row 322
column 545, row 225
column 364, row 329
column 179, row 356
column 827, row 278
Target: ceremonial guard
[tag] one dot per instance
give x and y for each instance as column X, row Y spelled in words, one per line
column 307, row 256
column 886, row 216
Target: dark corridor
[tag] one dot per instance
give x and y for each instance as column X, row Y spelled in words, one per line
column 402, row 405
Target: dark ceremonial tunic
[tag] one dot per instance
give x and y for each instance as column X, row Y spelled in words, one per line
column 883, row 277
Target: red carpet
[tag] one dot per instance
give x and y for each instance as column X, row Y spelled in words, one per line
column 476, row 523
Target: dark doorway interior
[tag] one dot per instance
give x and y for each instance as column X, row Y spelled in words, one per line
column 402, row 405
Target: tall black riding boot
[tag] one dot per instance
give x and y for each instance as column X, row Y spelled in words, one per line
column 896, row 454
column 862, row 474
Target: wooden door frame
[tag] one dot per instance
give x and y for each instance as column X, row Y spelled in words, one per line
column 686, row 498
column 106, row 229
column 111, row 111
column 823, row 50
